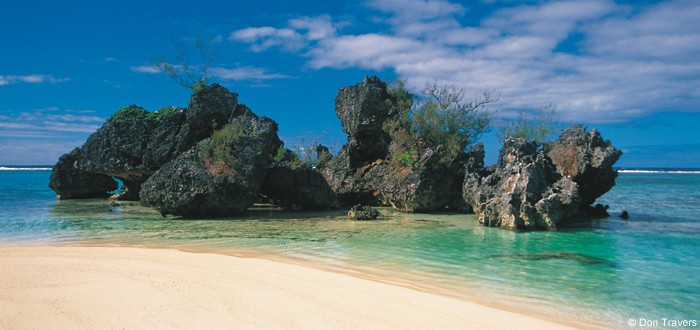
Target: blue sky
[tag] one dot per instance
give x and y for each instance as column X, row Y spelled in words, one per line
column 629, row 68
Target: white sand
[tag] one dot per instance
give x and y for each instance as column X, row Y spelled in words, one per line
column 115, row 287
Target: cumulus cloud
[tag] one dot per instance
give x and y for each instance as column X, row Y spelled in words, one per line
column 263, row 38
column 300, row 33
column 18, row 150
column 244, row 73
column 50, row 121
column 236, row 74
column 597, row 60
column 145, row 69
column 31, row 79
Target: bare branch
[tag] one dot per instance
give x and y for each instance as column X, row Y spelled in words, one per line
column 182, row 72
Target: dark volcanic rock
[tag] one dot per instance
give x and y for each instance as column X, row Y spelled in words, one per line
column 522, row 191
column 358, row 171
column 361, row 172
column 69, row 182
column 296, row 183
column 134, row 143
column 210, row 109
column 588, row 159
column 362, row 110
column 362, row 212
column 354, row 185
column 428, row 186
column 221, row 176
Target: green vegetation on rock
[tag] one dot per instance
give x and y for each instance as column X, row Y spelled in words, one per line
column 162, row 113
column 438, row 119
column 539, row 126
column 218, row 148
column 129, row 113
column 136, row 113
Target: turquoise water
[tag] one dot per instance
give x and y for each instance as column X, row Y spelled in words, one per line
column 645, row 267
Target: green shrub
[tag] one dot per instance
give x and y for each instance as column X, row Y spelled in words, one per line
column 130, row 113
column 439, row 119
column 219, row 147
column 311, row 152
column 136, row 113
column 162, row 113
column 406, row 158
column 539, row 126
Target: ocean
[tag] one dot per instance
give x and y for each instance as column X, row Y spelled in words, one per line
column 644, row 268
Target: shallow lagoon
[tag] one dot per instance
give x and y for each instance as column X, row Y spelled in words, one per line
column 644, row 267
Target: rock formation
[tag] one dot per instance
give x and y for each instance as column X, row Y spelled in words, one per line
column 362, row 212
column 533, row 187
column 361, row 172
column 216, row 158
column 134, row 143
column 212, row 159
column 221, row 176
column 69, row 182
column 359, row 169
column 295, row 183
column 587, row 158
column 426, row 186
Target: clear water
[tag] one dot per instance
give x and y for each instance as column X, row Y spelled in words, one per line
column 644, row 267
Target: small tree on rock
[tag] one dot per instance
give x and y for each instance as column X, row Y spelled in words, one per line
column 439, row 118
column 194, row 77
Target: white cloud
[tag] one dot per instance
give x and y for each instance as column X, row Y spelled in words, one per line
column 596, row 60
column 372, row 51
column 300, row 33
column 21, row 149
column 417, row 9
column 145, row 69
column 238, row 74
column 244, row 73
column 48, row 121
column 317, row 28
column 263, row 38
column 31, row 79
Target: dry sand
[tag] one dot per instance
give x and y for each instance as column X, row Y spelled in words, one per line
column 118, row 287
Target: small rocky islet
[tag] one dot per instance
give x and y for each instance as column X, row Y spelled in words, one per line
column 216, row 158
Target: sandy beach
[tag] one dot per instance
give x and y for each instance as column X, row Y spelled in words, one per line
column 124, row 287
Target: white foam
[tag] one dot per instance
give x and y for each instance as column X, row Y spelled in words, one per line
column 661, row 171
column 4, row 168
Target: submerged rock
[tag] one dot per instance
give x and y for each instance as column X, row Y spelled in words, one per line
column 362, row 212
column 579, row 257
